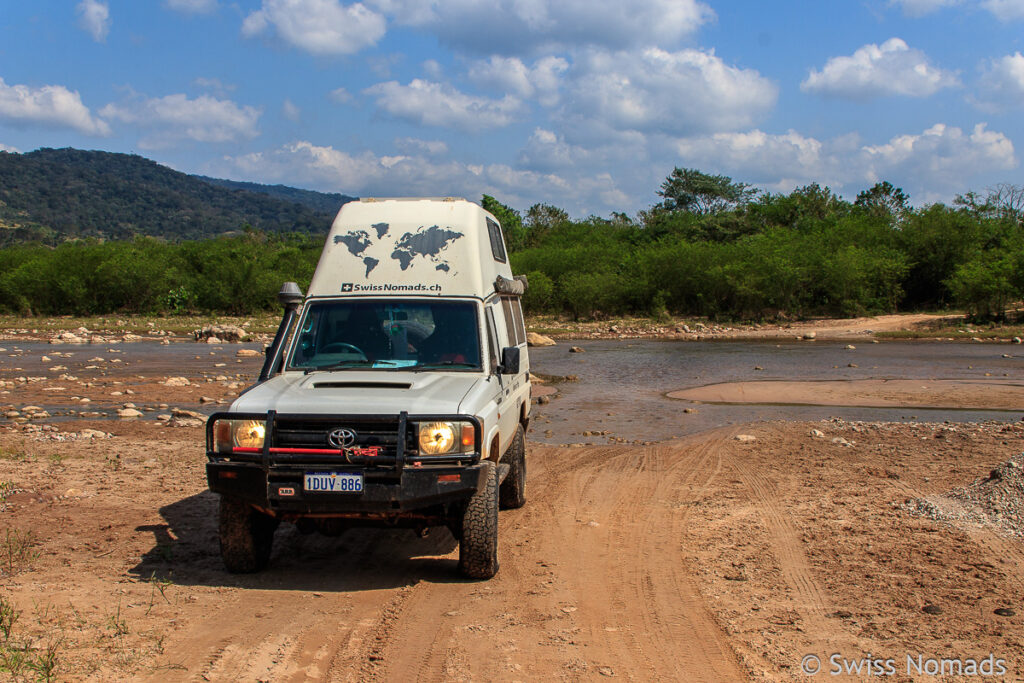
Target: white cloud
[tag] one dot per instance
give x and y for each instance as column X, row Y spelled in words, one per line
column 530, row 26
column 1001, row 85
column 415, row 145
column 176, row 117
column 321, row 27
column 214, row 85
column 919, row 8
column 50, row 105
column 1005, row 10
column 681, row 93
column 340, row 95
column 8, row 148
column 94, row 18
column 942, row 156
column 437, row 104
column 892, row 68
column 290, row 111
column 367, row 174
column 192, row 6
column 510, row 74
column 934, row 163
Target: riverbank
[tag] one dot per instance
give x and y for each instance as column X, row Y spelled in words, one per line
column 940, row 326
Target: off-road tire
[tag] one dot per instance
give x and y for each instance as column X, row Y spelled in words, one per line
column 512, row 493
column 478, row 544
column 246, row 536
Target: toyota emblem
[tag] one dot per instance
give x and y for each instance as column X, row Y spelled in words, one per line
column 341, row 438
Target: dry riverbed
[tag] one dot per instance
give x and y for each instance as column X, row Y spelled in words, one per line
column 722, row 556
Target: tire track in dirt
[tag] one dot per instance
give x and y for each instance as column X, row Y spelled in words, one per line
column 645, row 569
column 808, row 597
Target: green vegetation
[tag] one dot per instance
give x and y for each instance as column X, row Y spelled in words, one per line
column 51, row 195
column 234, row 275
column 712, row 247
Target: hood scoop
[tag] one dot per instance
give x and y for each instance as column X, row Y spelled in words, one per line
column 362, row 385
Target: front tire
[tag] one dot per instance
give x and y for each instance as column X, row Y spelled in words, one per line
column 478, row 542
column 246, row 536
column 512, row 494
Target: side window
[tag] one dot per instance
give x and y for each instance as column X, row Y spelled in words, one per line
column 497, row 241
column 513, row 320
column 517, row 314
column 492, row 339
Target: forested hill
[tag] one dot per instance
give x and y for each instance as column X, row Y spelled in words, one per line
column 325, row 202
column 57, row 194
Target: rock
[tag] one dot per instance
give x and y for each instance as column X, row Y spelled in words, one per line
column 810, row 335
column 229, row 333
column 72, row 493
column 128, row 413
column 576, row 349
column 176, row 382
column 181, row 412
column 534, row 339
column 247, row 353
column 185, row 422
column 850, row 347
column 11, row 414
column 838, row 440
column 541, row 400
column 931, row 609
column 689, row 410
column 213, row 340
column 163, row 417
column 817, row 434
column 207, row 399
column 851, row 365
column 1004, row 611
column 93, row 434
column 758, row 367
column 745, row 438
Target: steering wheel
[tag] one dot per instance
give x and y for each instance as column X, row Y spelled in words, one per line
column 342, row 347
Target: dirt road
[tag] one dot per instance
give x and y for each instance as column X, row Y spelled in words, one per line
column 707, row 559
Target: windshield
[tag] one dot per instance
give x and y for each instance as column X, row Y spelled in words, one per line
column 388, row 335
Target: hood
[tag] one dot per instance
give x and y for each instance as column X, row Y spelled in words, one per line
column 359, row 393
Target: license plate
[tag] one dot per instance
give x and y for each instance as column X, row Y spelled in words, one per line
column 333, row 482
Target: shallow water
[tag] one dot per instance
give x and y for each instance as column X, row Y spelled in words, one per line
column 622, row 384
column 626, row 378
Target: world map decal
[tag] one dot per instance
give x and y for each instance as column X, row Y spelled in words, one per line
column 426, row 243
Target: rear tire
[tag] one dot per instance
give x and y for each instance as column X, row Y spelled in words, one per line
column 246, row 536
column 512, row 494
column 478, row 542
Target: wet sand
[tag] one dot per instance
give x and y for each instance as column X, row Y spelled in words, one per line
column 880, row 393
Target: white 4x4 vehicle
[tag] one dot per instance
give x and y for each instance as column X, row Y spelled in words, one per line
column 396, row 392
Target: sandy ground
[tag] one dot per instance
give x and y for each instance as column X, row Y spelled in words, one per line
column 995, row 395
column 708, row 558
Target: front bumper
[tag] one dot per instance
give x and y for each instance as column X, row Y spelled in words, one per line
column 396, row 483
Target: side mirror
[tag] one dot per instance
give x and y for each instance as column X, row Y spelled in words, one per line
column 509, row 361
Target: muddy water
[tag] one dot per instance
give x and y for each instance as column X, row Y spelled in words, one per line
column 622, row 384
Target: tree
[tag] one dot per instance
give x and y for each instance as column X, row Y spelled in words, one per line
column 885, row 200
column 691, row 191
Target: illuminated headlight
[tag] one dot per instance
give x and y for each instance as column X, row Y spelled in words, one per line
column 229, row 434
column 442, row 438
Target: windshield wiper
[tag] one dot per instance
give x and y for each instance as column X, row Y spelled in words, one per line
column 340, row 365
column 444, row 364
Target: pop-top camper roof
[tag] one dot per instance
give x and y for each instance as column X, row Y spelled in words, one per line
column 413, row 247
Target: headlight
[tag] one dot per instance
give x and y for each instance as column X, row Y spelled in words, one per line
column 441, row 438
column 241, row 433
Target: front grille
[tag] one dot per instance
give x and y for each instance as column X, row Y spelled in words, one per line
column 290, row 433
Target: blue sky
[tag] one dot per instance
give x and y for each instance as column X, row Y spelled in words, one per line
column 584, row 104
